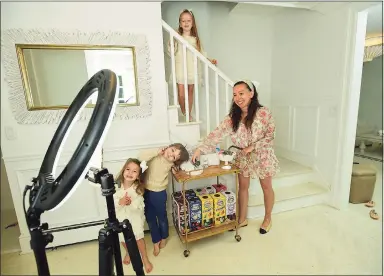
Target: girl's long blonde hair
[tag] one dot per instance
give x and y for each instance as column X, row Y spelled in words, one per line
column 194, row 32
column 139, row 183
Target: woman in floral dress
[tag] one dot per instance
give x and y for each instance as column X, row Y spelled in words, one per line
column 251, row 127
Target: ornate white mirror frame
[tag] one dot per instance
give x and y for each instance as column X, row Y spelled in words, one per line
column 11, row 37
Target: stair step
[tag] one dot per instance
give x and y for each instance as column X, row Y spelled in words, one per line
column 173, row 106
column 283, row 193
column 291, row 168
column 189, row 124
column 291, row 173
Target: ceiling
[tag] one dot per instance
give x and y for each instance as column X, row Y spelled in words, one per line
column 375, row 15
column 375, row 20
column 286, row 4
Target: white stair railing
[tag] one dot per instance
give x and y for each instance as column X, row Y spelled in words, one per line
column 220, row 96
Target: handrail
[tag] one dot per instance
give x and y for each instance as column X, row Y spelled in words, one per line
column 196, row 52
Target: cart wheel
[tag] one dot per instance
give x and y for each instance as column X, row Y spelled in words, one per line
column 186, row 253
column 238, row 238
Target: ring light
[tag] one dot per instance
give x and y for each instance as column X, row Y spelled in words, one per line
column 48, row 193
column 55, row 192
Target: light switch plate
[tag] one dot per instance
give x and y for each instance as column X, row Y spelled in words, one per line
column 10, row 133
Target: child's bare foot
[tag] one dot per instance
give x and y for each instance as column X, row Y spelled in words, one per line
column 163, row 243
column 127, row 260
column 147, row 265
column 156, row 249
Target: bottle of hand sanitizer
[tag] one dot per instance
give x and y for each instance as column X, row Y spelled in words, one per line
column 217, row 148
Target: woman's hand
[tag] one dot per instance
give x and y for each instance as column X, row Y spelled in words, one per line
column 213, row 61
column 248, row 149
column 196, row 155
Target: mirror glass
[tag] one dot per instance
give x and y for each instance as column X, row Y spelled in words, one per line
column 53, row 75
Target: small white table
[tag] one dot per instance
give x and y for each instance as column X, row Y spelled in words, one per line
column 374, row 138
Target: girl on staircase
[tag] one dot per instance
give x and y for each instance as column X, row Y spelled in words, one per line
column 188, row 30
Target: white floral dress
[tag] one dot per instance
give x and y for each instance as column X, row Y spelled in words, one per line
column 179, row 61
column 262, row 161
column 133, row 212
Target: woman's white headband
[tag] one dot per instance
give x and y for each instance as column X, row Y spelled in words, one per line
column 249, row 83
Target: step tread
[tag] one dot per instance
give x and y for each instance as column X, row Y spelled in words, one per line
column 189, row 124
column 290, row 168
column 290, row 192
column 173, row 106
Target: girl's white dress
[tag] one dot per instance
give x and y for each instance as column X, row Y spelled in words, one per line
column 179, row 61
column 133, row 212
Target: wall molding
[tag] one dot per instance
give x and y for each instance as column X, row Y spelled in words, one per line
column 298, row 157
column 293, row 130
column 136, row 146
column 119, row 154
column 31, row 157
column 38, row 157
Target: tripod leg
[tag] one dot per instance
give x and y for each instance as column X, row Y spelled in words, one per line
column 105, row 253
column 117, row 253
column 132, row 248
column 38, row 243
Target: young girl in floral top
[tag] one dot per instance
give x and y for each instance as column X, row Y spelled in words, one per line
column 251, row 127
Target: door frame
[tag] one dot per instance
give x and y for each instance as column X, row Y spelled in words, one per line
column 358, row 16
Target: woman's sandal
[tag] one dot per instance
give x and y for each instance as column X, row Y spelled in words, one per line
column 374, row 215
column 370, row 204
column 243, row 224
column 265, row 230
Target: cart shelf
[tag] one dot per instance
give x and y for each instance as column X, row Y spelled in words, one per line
column 213, row 171
column 206, row 232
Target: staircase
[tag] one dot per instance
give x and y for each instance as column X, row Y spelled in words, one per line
column 296, row 186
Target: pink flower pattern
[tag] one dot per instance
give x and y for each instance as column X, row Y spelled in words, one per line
column 262, row 161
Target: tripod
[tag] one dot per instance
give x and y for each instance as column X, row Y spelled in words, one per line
column 108, row 238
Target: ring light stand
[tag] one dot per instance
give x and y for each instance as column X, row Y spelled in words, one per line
column 48, row 193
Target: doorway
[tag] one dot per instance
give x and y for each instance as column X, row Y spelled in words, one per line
column 351, row 95
column 10, row 231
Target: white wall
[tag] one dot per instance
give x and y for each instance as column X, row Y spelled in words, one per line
column 371, row 94
column 25, row 145
column 86, row 16
column 308, row 73
column 239, row 38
